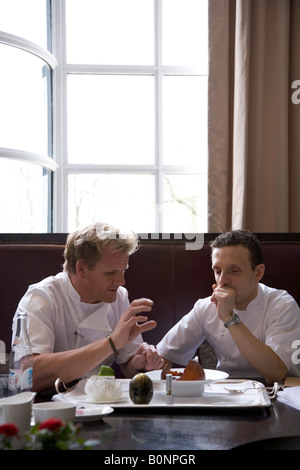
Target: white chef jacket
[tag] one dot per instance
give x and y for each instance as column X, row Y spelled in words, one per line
column 59, row 321
column 273, row 317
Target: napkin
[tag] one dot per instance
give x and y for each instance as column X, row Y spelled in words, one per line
column 74, row 396
column 290, row 396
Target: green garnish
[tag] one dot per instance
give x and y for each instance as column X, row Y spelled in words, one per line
column 106, row 370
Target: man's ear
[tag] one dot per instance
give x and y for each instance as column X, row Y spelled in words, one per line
column 259, row 271
column 81, row 268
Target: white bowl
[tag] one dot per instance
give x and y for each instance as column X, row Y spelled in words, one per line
column 59, row 410
column 189, row 388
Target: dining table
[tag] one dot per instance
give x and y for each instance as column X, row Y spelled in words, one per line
column 180, row 430
column 277, row 427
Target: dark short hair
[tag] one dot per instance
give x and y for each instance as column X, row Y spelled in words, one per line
column 240, row 238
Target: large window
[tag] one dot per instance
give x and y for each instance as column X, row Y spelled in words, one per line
column 26, row 164
column 126, row 124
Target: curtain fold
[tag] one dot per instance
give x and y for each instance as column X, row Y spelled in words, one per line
column 253, row 126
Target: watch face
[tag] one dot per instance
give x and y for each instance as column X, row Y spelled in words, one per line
column 236, row 318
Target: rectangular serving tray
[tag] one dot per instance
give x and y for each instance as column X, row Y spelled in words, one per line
column 214, row 396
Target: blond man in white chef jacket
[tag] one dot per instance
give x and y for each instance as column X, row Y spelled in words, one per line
column 82, row 317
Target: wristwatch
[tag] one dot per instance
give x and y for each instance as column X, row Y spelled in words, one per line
column 234, row 320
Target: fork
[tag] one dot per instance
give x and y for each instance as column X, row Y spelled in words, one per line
column 271, row 391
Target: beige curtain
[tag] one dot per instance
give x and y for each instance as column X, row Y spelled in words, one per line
column 253, row 125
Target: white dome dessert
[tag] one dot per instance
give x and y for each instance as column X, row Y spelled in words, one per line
column 103, row 388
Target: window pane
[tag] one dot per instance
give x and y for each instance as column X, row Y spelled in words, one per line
column 25, row 18
column 185, row 204
column 110, row 31
column 111, row 119
column 124, row 199
column 185, row 32
column 23, row 98
column 23, row 197
column 185, row 120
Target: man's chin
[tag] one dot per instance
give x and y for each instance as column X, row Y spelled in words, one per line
column 111, row 296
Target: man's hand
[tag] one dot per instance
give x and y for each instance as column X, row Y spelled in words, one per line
column 223, row 297
column 147, row 358
column 132, row 323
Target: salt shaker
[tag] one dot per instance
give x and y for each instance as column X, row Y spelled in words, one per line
column 169, row 389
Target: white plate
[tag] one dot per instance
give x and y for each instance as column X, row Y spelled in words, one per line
column 189, row 388
column 103, row 402
column 85, row 413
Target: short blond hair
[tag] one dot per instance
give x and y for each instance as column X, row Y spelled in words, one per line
column 89, row 244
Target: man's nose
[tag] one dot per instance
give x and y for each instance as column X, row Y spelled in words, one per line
column 120, row 279
column 223, row 279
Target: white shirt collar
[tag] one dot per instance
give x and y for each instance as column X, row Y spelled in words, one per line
column 96, row 315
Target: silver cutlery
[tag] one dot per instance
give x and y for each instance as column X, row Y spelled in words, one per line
column 271, row 391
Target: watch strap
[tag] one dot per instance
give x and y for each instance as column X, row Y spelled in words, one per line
column 234, row 320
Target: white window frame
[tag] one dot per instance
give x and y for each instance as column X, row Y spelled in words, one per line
column 60, row 117
column 12, row 40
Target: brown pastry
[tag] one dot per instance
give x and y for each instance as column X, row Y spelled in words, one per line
column 193, row 371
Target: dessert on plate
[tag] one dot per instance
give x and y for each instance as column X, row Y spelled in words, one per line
column 103, row 387
column 193, row 371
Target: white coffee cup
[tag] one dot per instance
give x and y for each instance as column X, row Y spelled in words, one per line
column 17, row 409
column 59, row 410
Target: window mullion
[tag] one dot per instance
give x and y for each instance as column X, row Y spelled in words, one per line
column 94, row 168
column 158, row 113
column 60, row 117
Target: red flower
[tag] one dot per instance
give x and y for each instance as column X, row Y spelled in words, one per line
column 52, row 424
column 9, row 430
